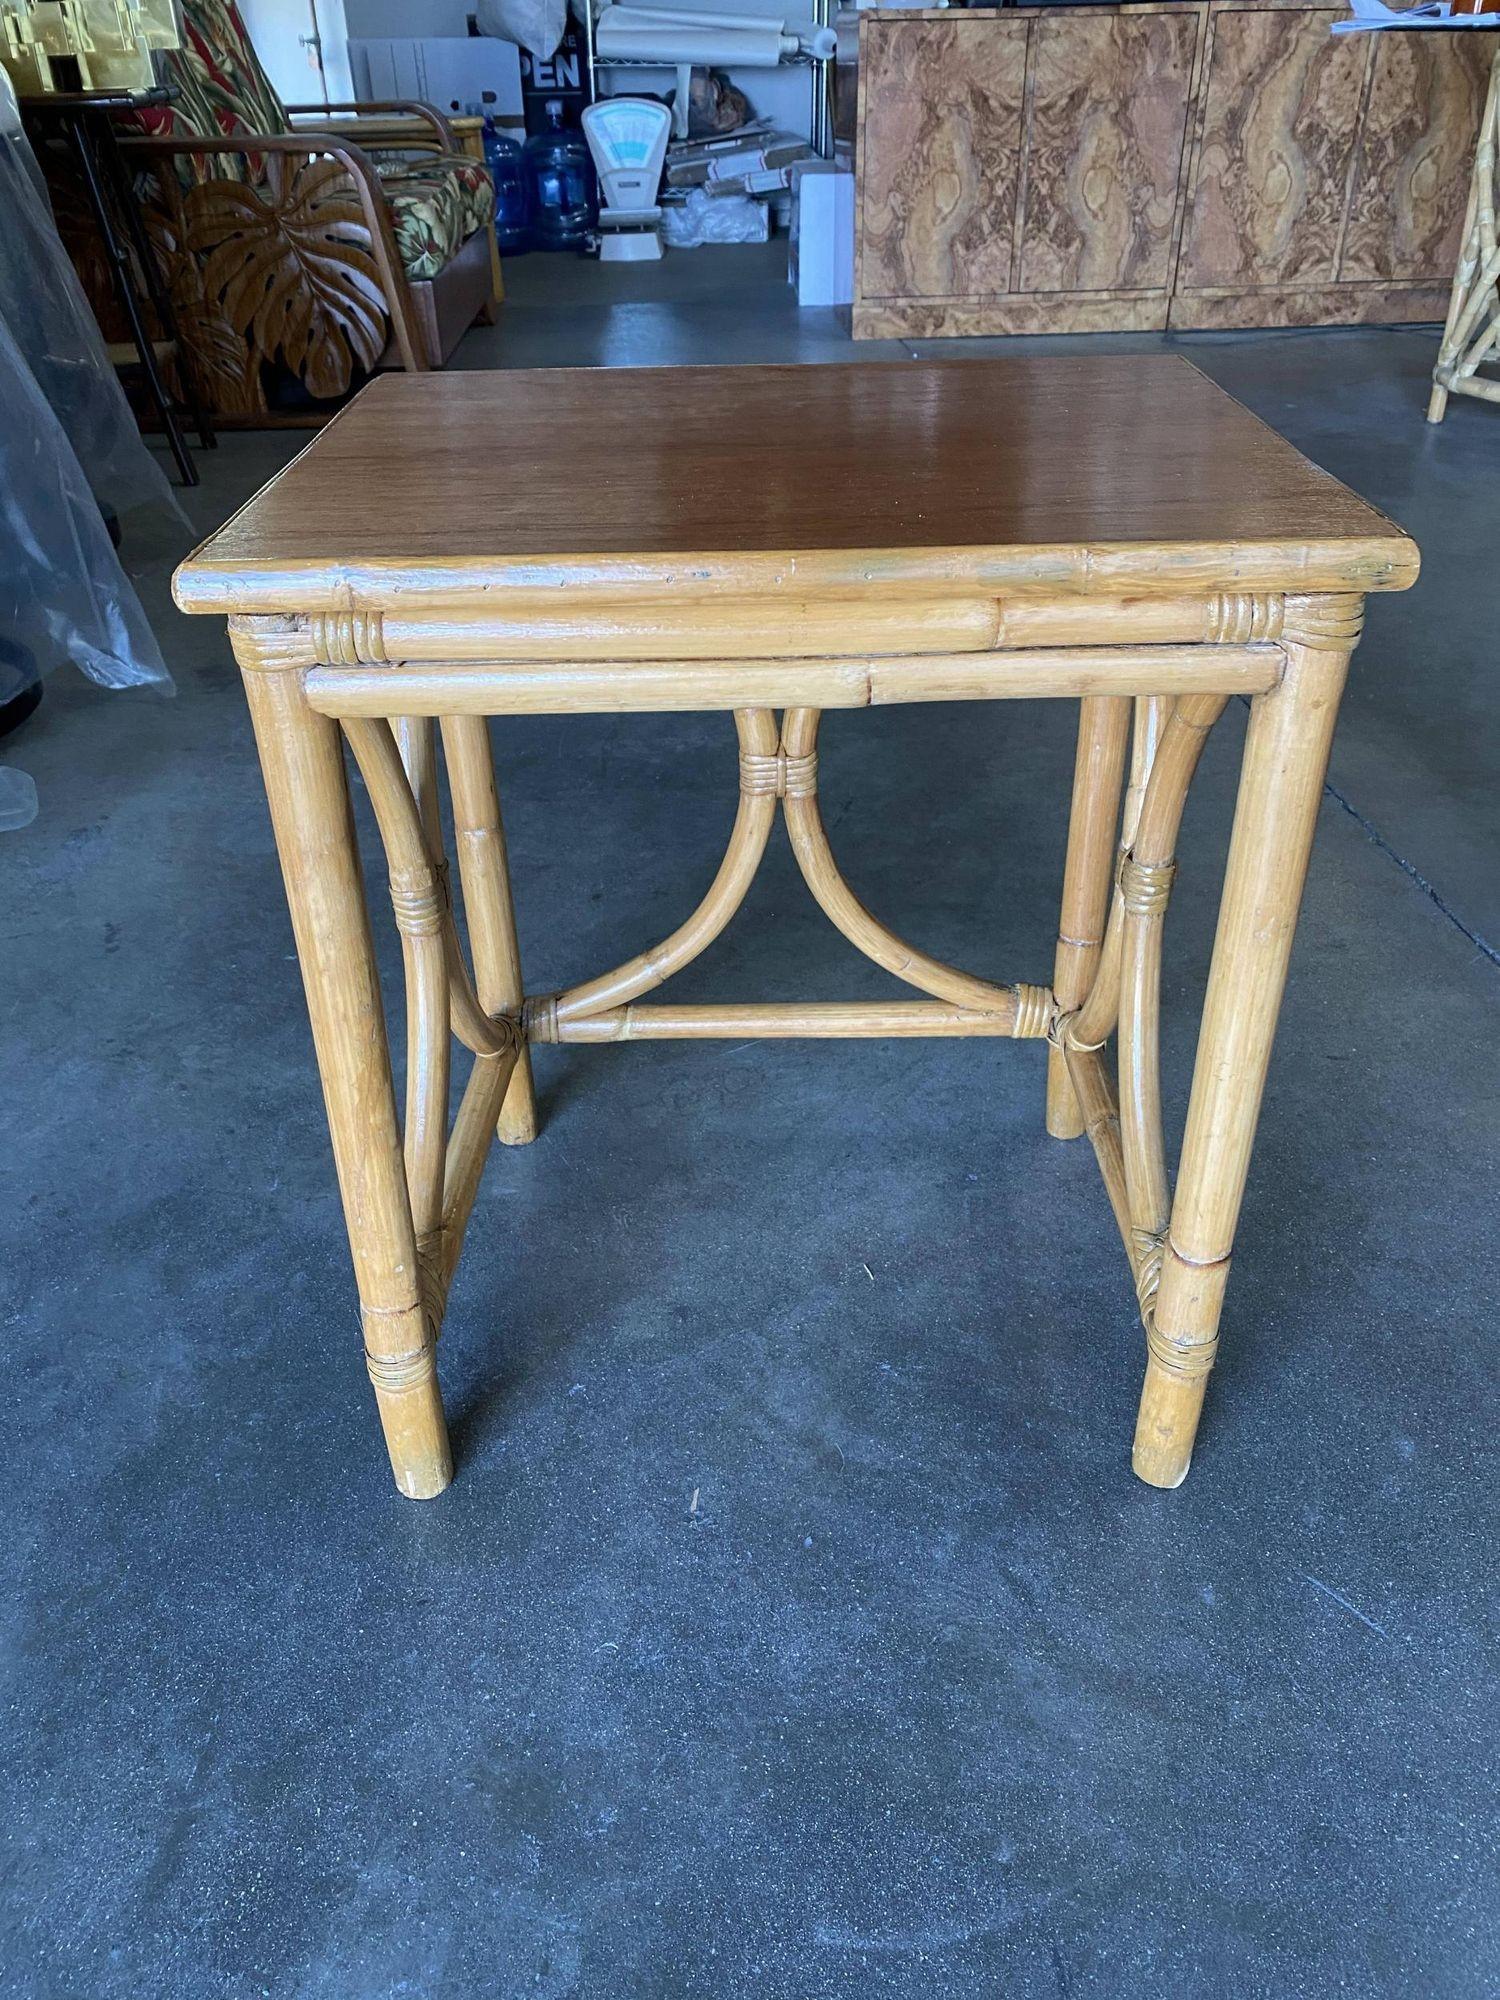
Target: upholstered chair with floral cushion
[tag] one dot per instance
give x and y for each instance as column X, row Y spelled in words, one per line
column 299, row 261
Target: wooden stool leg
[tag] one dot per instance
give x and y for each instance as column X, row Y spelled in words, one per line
column 302, row 757
column 1103, row 727
column 484, row 870
column 1281, row 785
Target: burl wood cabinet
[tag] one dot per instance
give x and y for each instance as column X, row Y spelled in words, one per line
column 1217, row 163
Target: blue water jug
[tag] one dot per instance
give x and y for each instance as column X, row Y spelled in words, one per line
column 560, row 185
column 512, row 203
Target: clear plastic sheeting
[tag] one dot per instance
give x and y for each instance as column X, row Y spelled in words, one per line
column 69, row 452
column 17, row 800
column 63, row 594
column 43, row 304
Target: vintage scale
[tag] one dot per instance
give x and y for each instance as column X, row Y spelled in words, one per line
column 628, row 139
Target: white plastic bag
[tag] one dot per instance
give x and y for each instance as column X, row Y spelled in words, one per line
column 534, row 25
column 714, row 218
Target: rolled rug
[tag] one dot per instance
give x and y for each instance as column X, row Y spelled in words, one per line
column 633, row 34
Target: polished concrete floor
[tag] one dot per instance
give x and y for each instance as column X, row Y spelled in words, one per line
column 795, row 1626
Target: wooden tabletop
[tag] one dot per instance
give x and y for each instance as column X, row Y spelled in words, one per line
column 1102, row 473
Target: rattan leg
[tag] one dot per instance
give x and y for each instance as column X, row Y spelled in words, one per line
column 1281, row 783
column 484, row 871
column 1103, row 730
column 1471, row 333
column 302, row 757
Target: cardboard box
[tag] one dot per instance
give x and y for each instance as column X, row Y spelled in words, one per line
column 820, row 262
column 445, row 70
column 719, row 162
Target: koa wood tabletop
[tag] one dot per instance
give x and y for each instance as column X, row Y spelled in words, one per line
column 773, row 542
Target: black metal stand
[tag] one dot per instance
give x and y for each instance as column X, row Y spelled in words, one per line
column 88, row 123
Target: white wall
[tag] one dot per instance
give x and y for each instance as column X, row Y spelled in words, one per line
column 277, row 26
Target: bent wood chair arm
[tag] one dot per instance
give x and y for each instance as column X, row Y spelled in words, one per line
column 404, row 107
column 361, row 171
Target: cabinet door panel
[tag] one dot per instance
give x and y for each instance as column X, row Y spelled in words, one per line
column 1267, row 204
column 941, row 139
column 1109, row 105
column 1416, row 148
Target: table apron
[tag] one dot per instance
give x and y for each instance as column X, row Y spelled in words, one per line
column 876, row 623
column 462, row 687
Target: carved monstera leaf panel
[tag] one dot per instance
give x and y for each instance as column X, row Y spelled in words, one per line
column 290, row 264
column 222, row 363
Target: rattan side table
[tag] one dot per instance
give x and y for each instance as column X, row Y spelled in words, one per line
column 774, row 542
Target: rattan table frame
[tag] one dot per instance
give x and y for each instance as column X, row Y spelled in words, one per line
column 1151, row 674
column 771, row 543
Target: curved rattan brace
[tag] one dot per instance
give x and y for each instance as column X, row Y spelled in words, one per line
column 1146, row 874
column 1165, row 795
column 489, row 909
column 1152, row 714
column 742, row 857
column 410, row 861
column 442, row 1173
column 838, row 902
column 468, row 1149
column 418, row 898
column 1125, row 1127
column 421, row 906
